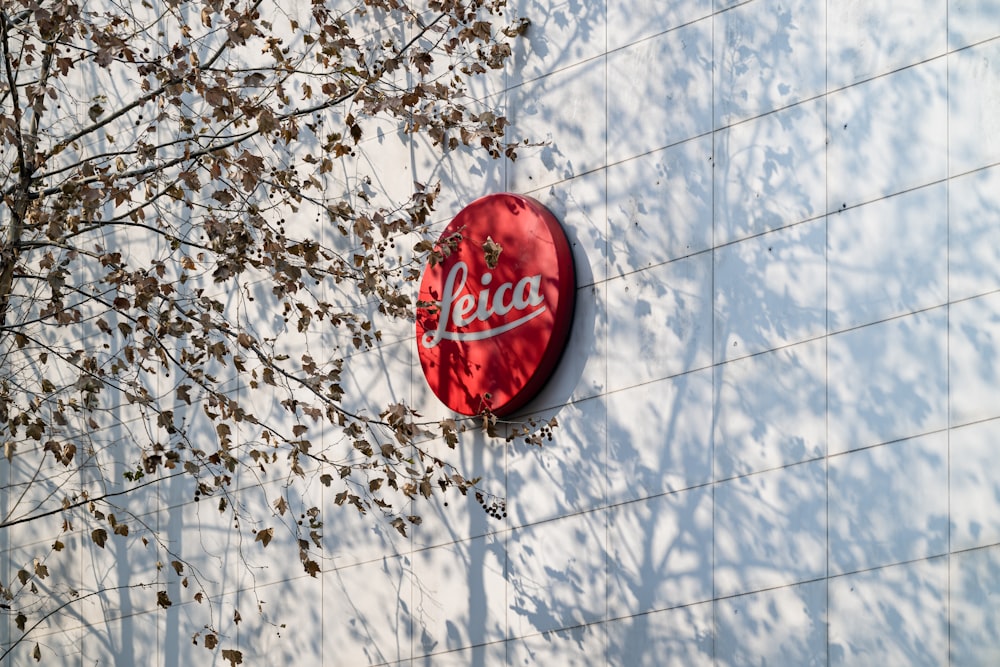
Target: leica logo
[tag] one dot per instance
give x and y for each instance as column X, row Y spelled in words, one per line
column 461, row 311
column 494, row 314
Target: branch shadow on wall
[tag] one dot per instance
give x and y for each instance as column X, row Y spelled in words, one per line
column 703, row 481
column 713, row 482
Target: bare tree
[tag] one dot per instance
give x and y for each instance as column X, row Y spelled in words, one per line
column 185, row 206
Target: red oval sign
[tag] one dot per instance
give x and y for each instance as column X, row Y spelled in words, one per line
column 498, row 322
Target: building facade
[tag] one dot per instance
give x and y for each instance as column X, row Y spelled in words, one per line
column 778, row 408
column 778, row 405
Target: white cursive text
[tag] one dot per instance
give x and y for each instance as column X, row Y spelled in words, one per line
column 464, row 310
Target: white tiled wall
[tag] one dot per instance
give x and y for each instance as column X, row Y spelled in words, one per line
column 780, row 405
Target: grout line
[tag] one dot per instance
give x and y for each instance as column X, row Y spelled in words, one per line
column 826, row 339
column 607, row 379
column 715, row 389
column 948, row 386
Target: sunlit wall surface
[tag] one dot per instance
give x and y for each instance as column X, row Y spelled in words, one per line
column 779, row 407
